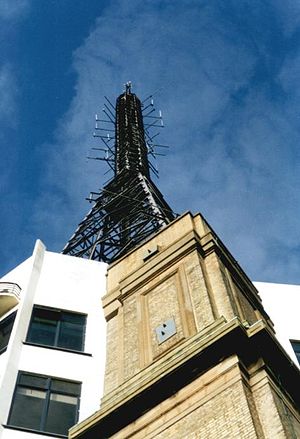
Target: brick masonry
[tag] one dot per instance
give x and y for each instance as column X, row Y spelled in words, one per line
column 187, row 286
column 193, row 280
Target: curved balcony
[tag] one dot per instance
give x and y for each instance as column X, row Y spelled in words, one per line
column 9, row 296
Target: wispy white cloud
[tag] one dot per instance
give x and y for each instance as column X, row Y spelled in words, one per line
column 13, row 9
column 8, row 92
column 228, row 81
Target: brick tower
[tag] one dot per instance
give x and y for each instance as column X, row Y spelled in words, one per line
column 191, row 353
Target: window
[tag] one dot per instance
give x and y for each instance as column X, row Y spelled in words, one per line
column 61, row 329
column 42, row 403
column 296, row 347
column 6, row 326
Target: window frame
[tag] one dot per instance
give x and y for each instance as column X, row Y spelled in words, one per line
column 58, row 328
column 46, row 404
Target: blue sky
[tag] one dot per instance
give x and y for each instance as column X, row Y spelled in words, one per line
column 228, row 80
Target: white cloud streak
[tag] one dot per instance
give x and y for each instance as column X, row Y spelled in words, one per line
column 230, row 113
column 8, row 93
column 11, row 10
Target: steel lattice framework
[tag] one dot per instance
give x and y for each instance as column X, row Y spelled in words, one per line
column 129, row 208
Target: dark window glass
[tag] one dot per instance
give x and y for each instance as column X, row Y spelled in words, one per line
column 61, row 413
column 52, row 408
column 57, row 328
column 6, row 326
column 68, row 387
column 43, row 326
column 27, row 408
column 296, row 347
column 36, row 381
column 71, row 334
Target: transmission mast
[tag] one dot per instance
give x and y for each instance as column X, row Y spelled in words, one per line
column 129, row 208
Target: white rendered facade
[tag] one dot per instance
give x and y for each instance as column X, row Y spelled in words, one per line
column 76, row 285
column 282, row 303
column 65, row 283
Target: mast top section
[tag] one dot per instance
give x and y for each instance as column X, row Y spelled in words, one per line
column 131, row 152
column 128, row 86
column 130, row 208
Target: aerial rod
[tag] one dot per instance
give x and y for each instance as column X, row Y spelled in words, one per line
column 154, row 124
column 147, row 115
column 105, row 159
column 106, row 150
column 153, row 117
column 107, row 146
column 102, row 120
column 149, row 137
column 154, row 170
column 109, row 110
column 100, row 158
column 153, row 153
column 151, row 96
column 104, row 137
column 105, row 97
column 100, row 149
column 104, row 129
column 148, row 106
column 111, row 119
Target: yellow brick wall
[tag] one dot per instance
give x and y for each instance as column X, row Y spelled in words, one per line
column 247, row 311
column 223, row 403
column 288, row 416
column 189, row 280
column 219, row 287
column 277, row 418
column 184, row 286
column 131, row 338
column 181, row 293
column 162, row 303
column 214, row 406
column 111, row 380
column 198, row 286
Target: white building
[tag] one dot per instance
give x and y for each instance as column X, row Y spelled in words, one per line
column 282, row 303
column 52, row 341
column 51, row 367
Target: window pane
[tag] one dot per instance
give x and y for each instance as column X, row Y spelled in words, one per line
column 43, row 326
column 71, row 335
column 27, row 408
column 62, row 329
column 65, row 387
column 43, row 409
column 29, row 380
column 78, row 319
column 62, row 413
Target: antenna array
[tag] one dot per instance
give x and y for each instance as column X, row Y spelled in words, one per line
column 130, row 207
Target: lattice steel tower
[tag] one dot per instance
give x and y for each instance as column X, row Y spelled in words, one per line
column 129, row 208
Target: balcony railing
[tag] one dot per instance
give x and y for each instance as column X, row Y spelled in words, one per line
column 9, row 296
